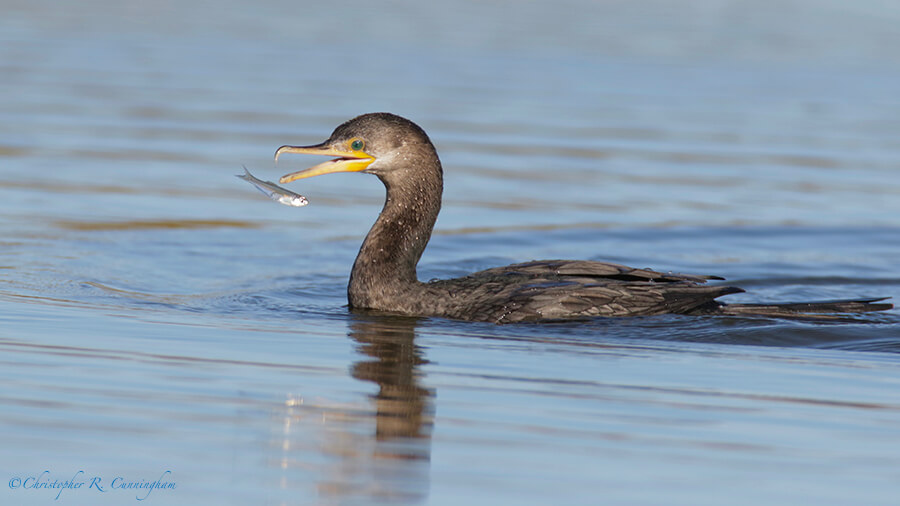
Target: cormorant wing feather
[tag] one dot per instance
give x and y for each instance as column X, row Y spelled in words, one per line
column 587, row 268
column 566, row 289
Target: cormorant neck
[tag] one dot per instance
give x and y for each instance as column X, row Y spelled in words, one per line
column 385, row 268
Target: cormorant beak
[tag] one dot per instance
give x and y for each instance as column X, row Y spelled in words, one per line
column 346, row 161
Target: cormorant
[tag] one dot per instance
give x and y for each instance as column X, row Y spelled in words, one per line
column 384, row 277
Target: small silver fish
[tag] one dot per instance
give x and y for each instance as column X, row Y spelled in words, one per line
column 274, row 192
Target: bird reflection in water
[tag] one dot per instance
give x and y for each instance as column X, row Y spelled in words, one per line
column 403, row 407
column 391, row 463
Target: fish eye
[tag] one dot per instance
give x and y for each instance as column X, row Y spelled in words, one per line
column 357, row 144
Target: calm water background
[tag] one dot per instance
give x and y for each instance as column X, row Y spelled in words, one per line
column 157, row 314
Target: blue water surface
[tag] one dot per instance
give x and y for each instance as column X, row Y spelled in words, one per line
column 164, row 326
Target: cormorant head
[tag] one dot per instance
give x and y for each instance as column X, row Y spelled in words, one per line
column 375, row 143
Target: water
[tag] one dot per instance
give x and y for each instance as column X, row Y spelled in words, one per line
column 158, row 314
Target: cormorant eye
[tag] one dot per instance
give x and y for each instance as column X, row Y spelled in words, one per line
column 357, row 144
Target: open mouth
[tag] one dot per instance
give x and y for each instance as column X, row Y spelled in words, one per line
column 346, row 161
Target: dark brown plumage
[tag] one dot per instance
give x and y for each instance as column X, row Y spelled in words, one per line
column 384, row 274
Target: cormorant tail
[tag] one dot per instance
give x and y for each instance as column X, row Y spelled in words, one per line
column 819, row 309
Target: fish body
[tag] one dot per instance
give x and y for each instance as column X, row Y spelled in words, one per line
column 273, row 191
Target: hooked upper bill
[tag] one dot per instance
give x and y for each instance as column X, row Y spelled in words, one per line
column 347, row 161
